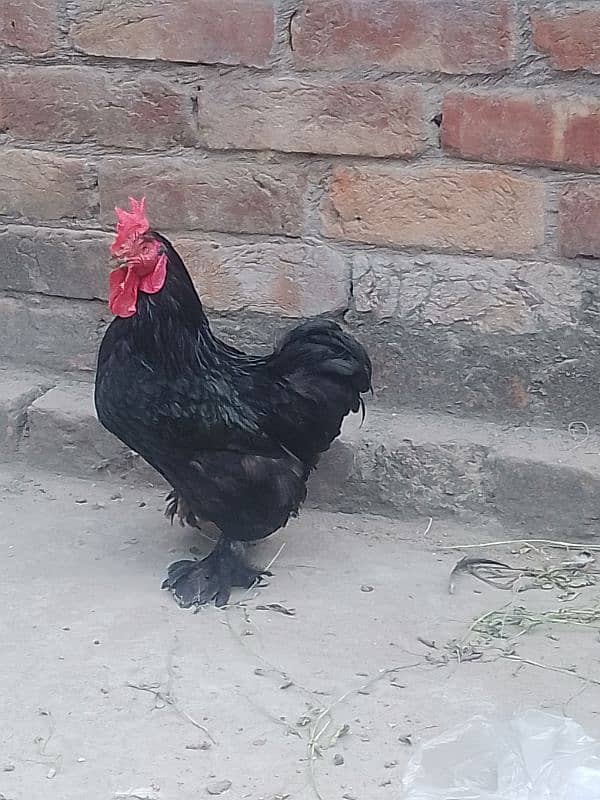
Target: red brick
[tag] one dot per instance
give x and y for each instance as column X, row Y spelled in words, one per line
column 195, row 31
column 45, row 186
column 452, row 36
column 581, row 143
column 210, row 195
column 54, row 262
column 29, row 25
column 578, row 216
column 523, row 129
column 443, row 208
column 81, row 104
column 571, row 39
column 291, row 279
column 359, row 118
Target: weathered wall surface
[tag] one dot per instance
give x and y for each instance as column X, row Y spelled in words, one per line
column 427, row 169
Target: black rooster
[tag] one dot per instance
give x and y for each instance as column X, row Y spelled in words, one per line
column 236, row 436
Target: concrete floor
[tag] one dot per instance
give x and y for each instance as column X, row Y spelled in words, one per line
column 84, row 622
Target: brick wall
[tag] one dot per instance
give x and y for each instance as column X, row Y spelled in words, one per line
column 426, row 168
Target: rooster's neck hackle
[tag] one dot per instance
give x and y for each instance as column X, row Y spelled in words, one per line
column 171, row 325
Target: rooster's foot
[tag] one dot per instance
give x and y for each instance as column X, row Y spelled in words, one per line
column 195, row 583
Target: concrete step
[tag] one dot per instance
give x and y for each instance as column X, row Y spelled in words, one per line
column 534, row 479
column 18, row 390
column 473, row 367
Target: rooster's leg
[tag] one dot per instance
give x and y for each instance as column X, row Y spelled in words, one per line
column 194, row 583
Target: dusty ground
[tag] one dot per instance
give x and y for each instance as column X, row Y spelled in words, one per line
column 83, row 622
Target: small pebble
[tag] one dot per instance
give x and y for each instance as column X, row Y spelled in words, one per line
column 96, row 641
column 80, row 760
column 116, row 496
column 338, row 759
column 142, row 504
column 366, row 588
column 387, row 782
column 349, row 796
column 390, row 764
column 218, row 787
column 66, row 628
column 8, row 768
column 81, row 500
column 51, row 773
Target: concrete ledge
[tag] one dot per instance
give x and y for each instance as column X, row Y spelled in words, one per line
column 17, row 392
column 64, row 436
column 533, row 479
column 541, row 370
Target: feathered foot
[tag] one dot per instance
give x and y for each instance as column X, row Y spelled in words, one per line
column 195, row 583
column 177, row 507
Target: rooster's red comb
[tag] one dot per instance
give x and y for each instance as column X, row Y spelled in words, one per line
column 130, row 224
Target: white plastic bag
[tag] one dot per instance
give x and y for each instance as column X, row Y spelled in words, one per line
column 534, row 756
